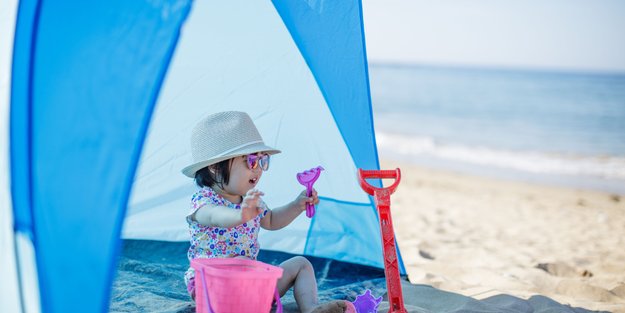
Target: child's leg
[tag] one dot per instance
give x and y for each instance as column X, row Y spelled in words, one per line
column 299, row 274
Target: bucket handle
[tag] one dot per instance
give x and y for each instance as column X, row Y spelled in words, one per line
column 278, row 302
column 276, row 295
column 208, row 303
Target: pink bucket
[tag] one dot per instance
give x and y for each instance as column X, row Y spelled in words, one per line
column 235, row 285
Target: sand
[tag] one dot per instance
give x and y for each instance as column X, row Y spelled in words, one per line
column 482, row 237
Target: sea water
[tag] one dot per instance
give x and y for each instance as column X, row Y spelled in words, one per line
column 550, row 127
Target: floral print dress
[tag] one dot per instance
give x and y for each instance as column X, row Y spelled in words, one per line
column 219, row 242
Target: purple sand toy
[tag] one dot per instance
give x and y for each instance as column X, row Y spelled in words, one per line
column 308, row 178
column 366, row 303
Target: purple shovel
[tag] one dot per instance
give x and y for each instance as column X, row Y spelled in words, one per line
column 308, row 178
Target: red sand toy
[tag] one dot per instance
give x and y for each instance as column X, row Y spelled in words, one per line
column 383, row 203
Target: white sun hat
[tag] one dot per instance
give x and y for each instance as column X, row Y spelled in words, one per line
column 222, row 136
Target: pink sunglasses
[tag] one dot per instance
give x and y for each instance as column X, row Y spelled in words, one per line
column 254, row 160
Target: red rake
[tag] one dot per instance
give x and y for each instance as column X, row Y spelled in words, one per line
column 383, row 203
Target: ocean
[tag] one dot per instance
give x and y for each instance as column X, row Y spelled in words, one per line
column 557, row 128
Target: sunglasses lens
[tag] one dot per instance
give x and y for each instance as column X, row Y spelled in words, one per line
column 252, row 161
column 264, row 162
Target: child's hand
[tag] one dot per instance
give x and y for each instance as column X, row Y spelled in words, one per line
column 249, row 206
column 302, row 199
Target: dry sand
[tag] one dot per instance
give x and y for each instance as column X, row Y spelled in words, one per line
column 481, row 237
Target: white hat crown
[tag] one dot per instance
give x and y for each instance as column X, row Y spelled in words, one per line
column 222, row 136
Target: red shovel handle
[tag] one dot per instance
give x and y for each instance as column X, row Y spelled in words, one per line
column 363, row 175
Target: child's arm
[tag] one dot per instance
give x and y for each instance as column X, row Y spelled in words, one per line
column 221, row 216
column 284, row 215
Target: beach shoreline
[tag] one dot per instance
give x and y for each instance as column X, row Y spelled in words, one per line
column 482, row 236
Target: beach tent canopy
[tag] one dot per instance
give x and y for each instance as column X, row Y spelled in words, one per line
column 98, row 101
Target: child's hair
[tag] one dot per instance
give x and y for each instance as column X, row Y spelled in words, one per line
column 220, row 174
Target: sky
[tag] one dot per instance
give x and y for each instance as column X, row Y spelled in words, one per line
column 576, row 35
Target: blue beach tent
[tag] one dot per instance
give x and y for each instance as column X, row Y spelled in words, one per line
column 97, row 102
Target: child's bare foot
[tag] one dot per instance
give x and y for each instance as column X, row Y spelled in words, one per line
column 338, row 306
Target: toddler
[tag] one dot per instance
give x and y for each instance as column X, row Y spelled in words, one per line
column 229, row 157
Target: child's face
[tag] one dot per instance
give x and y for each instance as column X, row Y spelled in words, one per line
column 242, row 178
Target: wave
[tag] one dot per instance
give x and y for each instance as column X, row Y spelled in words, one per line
column 605, row 167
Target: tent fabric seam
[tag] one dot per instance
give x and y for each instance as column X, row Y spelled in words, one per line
column 346, row 202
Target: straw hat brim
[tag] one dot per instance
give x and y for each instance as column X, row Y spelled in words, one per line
column 190, row 170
